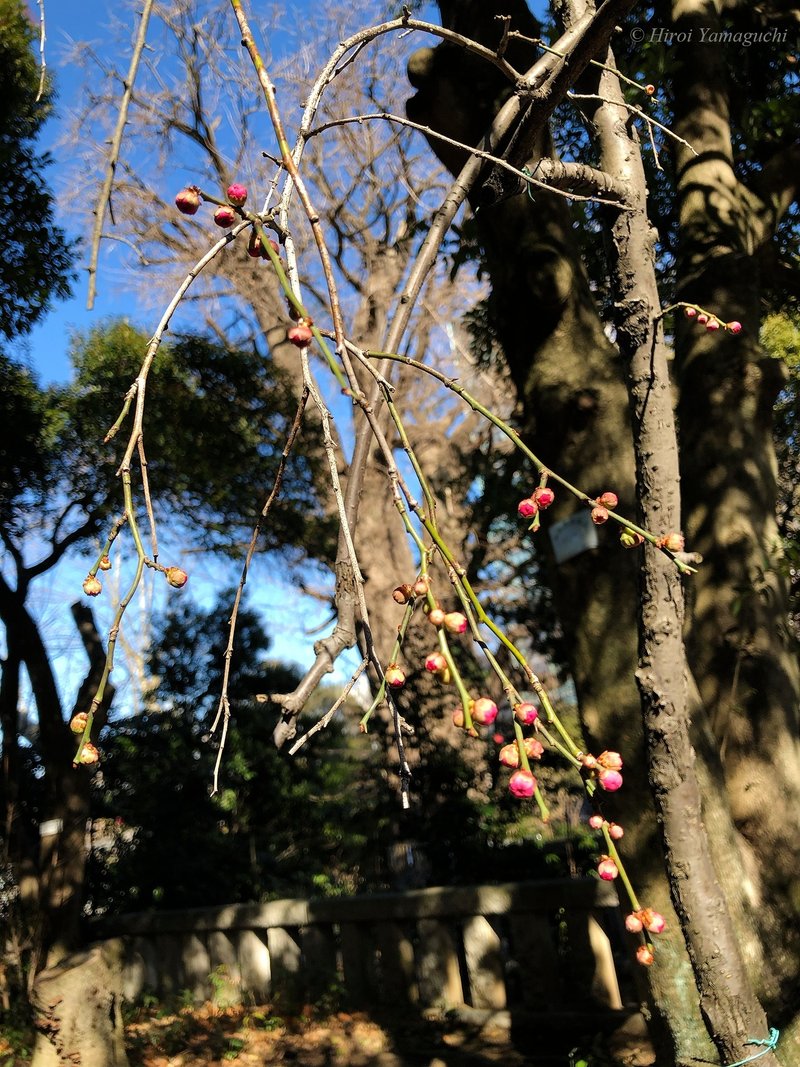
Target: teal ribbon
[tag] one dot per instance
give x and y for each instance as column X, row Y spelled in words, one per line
column 770, row 1044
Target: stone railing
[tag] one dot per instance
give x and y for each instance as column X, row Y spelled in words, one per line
column 545, row 947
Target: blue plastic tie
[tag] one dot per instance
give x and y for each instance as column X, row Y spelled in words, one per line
column 530, row 173
column 770, row 1044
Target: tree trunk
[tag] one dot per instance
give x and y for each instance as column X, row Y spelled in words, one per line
column 740, row 646
column 78, row 1010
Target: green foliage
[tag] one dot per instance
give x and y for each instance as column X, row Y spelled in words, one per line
column 35, row 265
column 217, row 419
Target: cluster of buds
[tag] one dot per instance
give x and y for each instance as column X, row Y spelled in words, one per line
column 539, row 500
column 605, row 769
column 509, row 754
column 188, row 202
column 645, row 919
column 615, row 831
column 710, row 321
column 483, row 711
column 602, row 505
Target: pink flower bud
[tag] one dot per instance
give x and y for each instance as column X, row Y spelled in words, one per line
column 78, row 722
column 611, row 781
column 522, row 784
column 89, row 753
column 436, row 616
column 91, row 586
column 188, row 200
column 633, row 924
column 224, row 216
column 176, row 577
column 543, row 496
column 649, row 89
column 300, row 335
column 702, row 319
column 484, row 711
column 105, row 563
column 533, row 748
column 734, row 327
column 608, row 500
column 690, row 313
column 653, row 920
column 395, row 676
column 436, row 663
column 527, row 508
column 525, row 713
column 712, row 324
column 509, row 755
column 615, row 831
column 455, row 622
column 596, row 822
column 237, row 194
column 612, row 761
column 599, row 515
column 422, row 585
column 607, row 869
column 644, row 955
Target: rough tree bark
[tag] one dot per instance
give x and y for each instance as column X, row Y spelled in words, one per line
column 740, row 647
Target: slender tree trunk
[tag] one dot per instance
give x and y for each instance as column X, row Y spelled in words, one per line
column 740, row 646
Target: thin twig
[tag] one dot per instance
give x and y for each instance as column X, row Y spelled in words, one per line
column 321, row 724
column 578, row 172
column 148, row 502
column 104, row 198
column 224, row 704
column 634, row 111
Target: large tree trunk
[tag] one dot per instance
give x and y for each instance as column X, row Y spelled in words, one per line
column 740, row 647
column 78, row 1010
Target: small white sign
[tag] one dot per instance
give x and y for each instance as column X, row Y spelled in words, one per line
column 572, row 536
column 50, row 828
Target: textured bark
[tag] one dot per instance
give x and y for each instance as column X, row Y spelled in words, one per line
column 740, row 647
column 78, row 1010
column 727, row 1002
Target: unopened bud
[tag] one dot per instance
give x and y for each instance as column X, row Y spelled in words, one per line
column 176, row 577
column 395, row 676
column 300, row 335
column 188, row 200
column 484, row 711
column 436, row 616
column 237, row 194
column 455, row 622
column 78, row 722
column 608, row 500
column 89, row 754
column 527, row 508
column 543, row 496
column 92, row 586
column 224, row 216
column 402, row 594
column 599, row 515
column 105, row 563
column 522, row 784
column 526, row 713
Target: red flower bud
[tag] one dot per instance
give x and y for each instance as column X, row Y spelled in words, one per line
column 422, row 585
column 615, row 831
column 543, row 496
column 612, row 761
column 526, row 714
column 674, row 542
column 395, row 676
column 522, row 784
column 608, row 500
column 653, row 920
column 484, row 711
column 188, row 200
column 455, row 622
column 702, row 319
column 300, row 335
column 690, row 313
column 712, row 324
column 527, row 508
column 607, row 869
column 611, row 781
column 599, row 515
column 533, row 748
column 436, row 663
column 224, row 216
column 237, row 194
column 649, row 89
column 734, row 327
